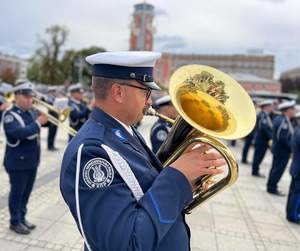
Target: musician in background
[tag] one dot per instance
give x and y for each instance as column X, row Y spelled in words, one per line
column 263, row 136
column 281, row 145
column 4, row 88
column 52, row 129
column 293, row 205
column 3, row 106
column 161, row 128
column 118, row 193
column 22, row 154
column 275, row 112
column 248, row 141
column 79, row 109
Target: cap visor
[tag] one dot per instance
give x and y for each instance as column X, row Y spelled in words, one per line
column 151, row 85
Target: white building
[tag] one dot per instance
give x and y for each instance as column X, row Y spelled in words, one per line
column 15, row 65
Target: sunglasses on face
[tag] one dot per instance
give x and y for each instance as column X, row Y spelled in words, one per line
column 147, row 91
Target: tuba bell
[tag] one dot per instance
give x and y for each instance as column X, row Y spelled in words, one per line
column 211, row 105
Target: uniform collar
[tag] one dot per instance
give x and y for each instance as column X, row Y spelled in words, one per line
column 75, row 101
column 116, row 126
column 18, row 108
column 136, row 142
column 128, row 128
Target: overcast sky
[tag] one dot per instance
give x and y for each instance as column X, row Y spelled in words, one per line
column 192, row 26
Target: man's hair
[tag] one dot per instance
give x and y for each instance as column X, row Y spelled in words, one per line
column 101, row 86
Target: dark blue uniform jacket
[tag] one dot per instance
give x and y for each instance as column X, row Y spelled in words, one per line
column 23, row 139
column 79, row 114
column 282, row 134
column 295, row 166
column 111, row 218
column 263, row 129
column 159, row 133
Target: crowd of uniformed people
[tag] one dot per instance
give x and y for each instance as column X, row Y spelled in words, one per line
column 276, row 133
column 94, row 177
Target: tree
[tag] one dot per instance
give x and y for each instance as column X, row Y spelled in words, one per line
column 46, row 64
column 74, row 66
column 8, row 75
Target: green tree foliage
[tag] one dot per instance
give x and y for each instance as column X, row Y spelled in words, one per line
column 46, row 63
column 74, row 66
column 51, row 65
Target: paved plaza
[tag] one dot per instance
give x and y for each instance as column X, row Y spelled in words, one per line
column 244, row 217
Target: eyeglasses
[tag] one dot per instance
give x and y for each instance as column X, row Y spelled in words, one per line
column 147, row 90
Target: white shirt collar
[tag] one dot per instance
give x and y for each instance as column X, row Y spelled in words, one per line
column 128, row 128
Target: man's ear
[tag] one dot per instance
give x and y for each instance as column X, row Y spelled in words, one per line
column 117, row 93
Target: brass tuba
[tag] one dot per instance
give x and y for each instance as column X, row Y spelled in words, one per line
column 211, row 105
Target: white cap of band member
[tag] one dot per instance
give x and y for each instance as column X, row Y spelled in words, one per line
column 297, row 115
column 24, row 88
column 130, row 65
column 52, row 89
column 5, row 87
column 266, row 102
column 75, row 88
column 165, row 100
column 286, row 105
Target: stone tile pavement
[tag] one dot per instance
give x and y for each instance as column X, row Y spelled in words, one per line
column 243, row 217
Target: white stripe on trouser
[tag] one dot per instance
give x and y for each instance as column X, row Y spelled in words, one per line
column 125, row 172
column 77, row 195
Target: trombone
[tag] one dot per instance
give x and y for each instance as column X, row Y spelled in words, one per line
column 211, row 105
column 63, row 113
column 40, row 106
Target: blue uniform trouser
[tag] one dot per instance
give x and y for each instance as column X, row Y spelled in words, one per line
column 51, row 135
column 52, row 131
column 293, row 202
column 21, row 184
column 278, row 166
column 247, row 144
column 259, row 154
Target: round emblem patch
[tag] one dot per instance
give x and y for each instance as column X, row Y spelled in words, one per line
column 8, row 118
column 161, row 135
column 97, row 173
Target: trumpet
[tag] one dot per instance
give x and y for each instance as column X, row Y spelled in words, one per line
column 211, row 105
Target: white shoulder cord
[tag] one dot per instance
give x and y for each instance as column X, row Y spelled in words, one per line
column 123, row 169
column 77, row 195
column 291, row 128
column 125, row 172
column 18, row 118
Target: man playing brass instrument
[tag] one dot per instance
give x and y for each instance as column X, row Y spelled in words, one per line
column 22, row 154
column 79, row 109
column 117, row 191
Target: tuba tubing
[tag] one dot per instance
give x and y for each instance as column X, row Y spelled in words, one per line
column 181, row 136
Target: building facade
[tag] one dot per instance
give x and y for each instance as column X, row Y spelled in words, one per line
column 13, row 65
column 290, row 80
column 254, row 72
column 257, row 65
